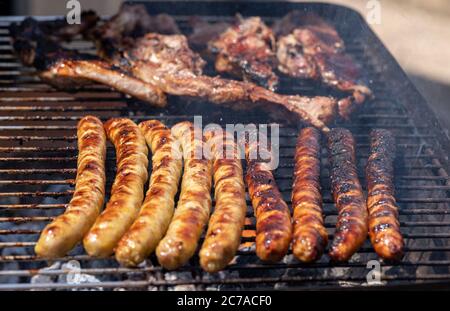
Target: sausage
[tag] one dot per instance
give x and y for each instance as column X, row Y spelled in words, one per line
column 225, row 226
column 351, row 226
column 384, row 227
column 66, row 230
column 194, row 205
column 157, row 210
column 127, row 191
column 310, row 236
column 273, row 219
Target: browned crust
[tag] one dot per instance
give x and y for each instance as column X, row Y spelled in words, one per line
column 194, row 205
column 225, row 226
column 66, row 230
column 351, row 226
column 384, row 227
column 273, row 219
column 310, row 235
column 127, row 190
column 157, row 210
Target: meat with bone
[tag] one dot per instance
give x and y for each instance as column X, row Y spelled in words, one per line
column 127, row 191
column 68, row 69
column 168, row 62
column 245, row 49
column 157, row 210
column 273, row 219
column 308, row 47
column 66, row 230
column 132, row 21
column 351, row 226
column 310, row 235
column 194, row 204
column 384, row 226
column 203, row 32
column 225, row 226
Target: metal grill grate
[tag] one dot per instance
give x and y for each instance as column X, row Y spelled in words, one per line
column 38, row 166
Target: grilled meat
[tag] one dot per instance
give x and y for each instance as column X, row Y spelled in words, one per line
column 245, row 50
column 308, row 47
column 127, row 190
column 310, row 235
column 132, row 21
column 68, row 69
column 273, row 219
column 168, row 62
column 384, row 227
column 194, row 204
column 157, row 210
column 351, row 226
column 225, row 226
column 204, row 32
column 66, row 230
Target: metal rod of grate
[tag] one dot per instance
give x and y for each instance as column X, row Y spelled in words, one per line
column 38, row 166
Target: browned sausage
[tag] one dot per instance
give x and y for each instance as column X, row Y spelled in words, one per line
column 273, row 219
column 63, row 233
column 225, row 226
column 194, row 205
column 127, row 191
column 384, row 227
column 157, row 211
column 310, row 236
column 351, row 226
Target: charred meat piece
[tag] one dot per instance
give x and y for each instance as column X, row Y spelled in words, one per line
column 203, row 32
column 68, row 69
column 132, row 21
column 351, row 226
column 308, row 47
column 384, row 226
column 246, row 50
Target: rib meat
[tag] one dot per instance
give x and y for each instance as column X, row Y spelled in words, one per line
column 245, row 49
column 308, row 47
column 68, row 69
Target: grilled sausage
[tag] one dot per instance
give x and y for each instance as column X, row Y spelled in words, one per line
column 63, row 233
column 351, row 226
column 384, row 227
column 310, row 236
column 226, row 223
column 157, row 211
column 194, row 205
column 273, row 219
column 127, row 191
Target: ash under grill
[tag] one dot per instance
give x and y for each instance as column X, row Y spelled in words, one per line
column 38, row 166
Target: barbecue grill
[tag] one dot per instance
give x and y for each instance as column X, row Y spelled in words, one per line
column 38, row 166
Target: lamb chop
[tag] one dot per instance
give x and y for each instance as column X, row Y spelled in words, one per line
column 308, row 47
column 68, row 69
column 245, row 49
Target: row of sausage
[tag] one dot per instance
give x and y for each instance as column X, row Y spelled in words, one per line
column 133, row 227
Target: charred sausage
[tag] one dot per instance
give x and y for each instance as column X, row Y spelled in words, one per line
column 66, row 230
column 351, row 226
column 273, row 219
column 384, row 227
column 310, row 236
column 127, row 191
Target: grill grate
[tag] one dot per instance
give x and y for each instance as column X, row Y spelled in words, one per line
column 38, row 167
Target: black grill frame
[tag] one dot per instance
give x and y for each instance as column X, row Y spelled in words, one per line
column 38, row 165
